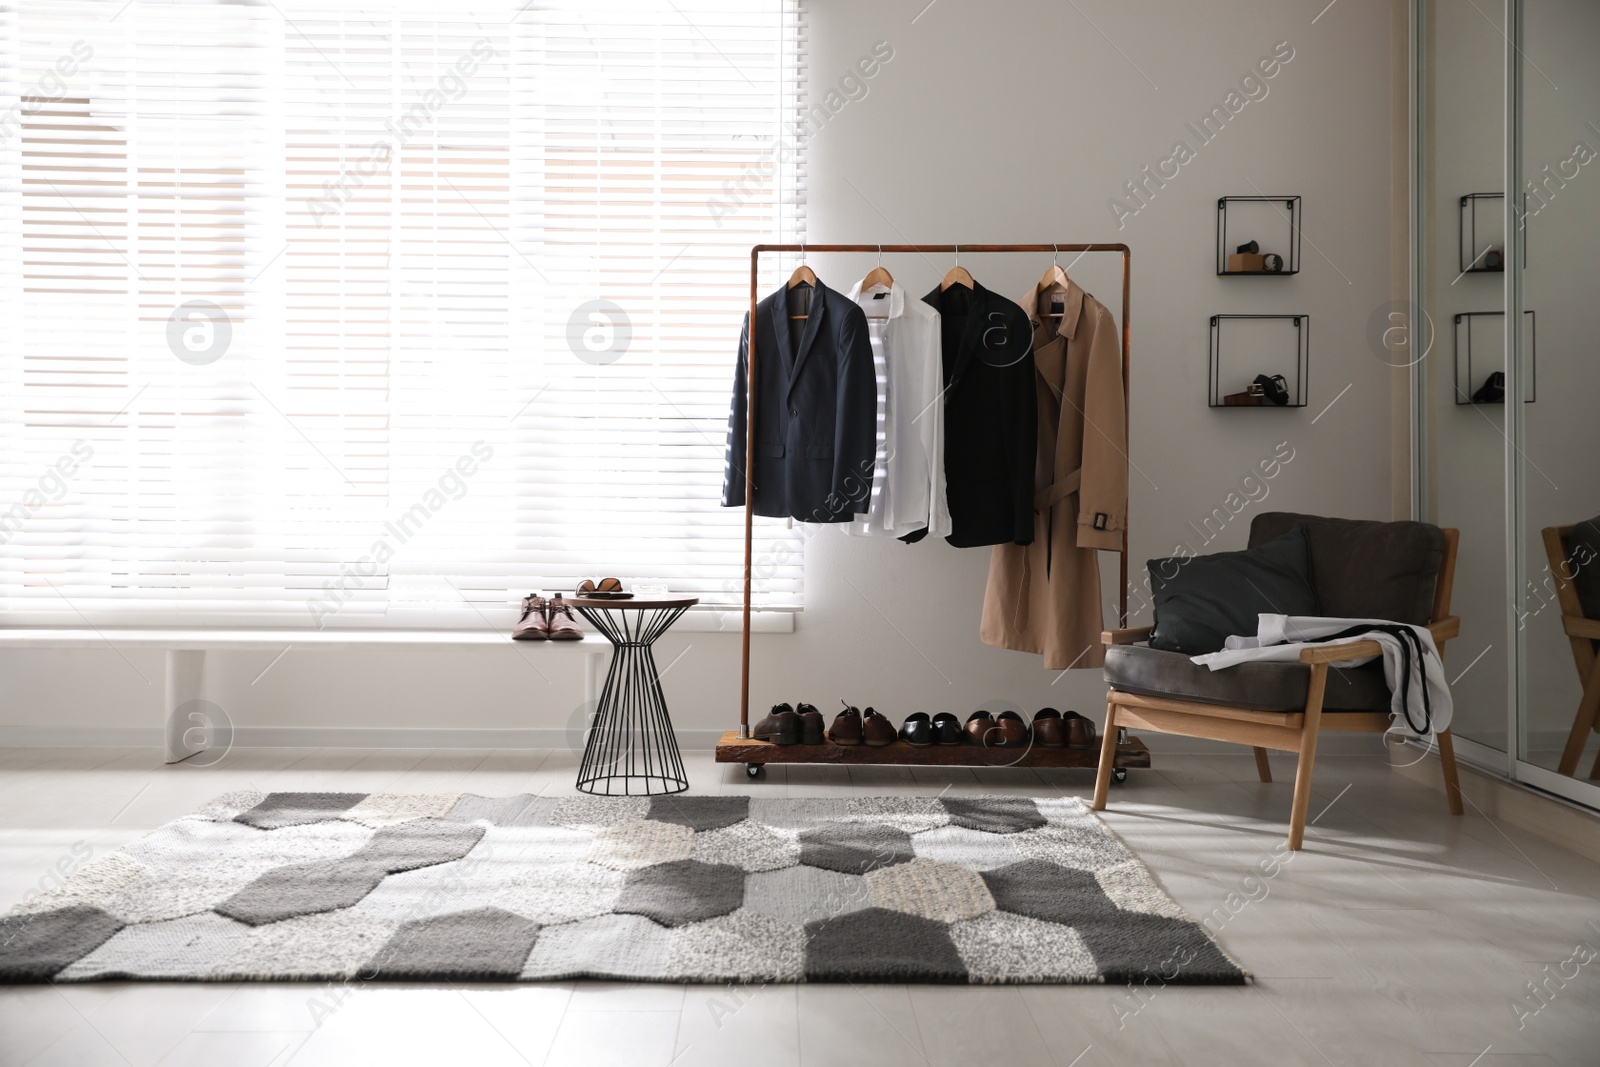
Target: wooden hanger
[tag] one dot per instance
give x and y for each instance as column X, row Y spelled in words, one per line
column 803, row 275
column 877, row 275
column 957, row 275
column 1054, row 278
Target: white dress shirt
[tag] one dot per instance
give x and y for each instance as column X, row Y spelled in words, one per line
column 908, row 471
column 1281, row 637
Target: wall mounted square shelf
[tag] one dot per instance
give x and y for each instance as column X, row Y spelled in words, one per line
column 1243, row 346
column 1273, row 222
column 1481, row 350
column 1483, row 231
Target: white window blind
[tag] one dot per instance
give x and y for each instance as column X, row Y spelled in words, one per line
column 344, row 313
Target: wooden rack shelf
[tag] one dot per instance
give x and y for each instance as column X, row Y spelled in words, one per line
column 755, row 754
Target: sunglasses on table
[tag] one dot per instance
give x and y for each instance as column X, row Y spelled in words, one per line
column 604, row 589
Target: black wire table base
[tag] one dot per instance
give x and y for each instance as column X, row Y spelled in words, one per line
column 631, row 749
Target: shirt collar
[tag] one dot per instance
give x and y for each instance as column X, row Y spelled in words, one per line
column 1071, row 307
column 897, row 299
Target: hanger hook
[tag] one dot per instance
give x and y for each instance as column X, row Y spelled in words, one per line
column 880, row 255
column 1056, row 259
column 958, row 255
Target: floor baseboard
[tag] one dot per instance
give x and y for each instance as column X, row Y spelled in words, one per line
column 690, row 740
column 1556, row 821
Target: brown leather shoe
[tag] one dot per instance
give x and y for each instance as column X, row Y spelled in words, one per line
column 812, row 728
column 1080, row 731
column 1009, row 731
column 533, row 626
column 1049, row 731
column 979, row 723
column 877, row 730
column 846, row 728
column 563, row 626
column 781, row 726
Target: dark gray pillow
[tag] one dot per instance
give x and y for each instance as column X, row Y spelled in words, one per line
column 1363, row 569
column 1583, row 555
column 1201, row 600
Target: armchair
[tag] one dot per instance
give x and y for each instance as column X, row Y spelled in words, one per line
column 1584, row 635
column 1402, row 571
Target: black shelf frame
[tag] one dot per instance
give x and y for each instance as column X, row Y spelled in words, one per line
column 1468, row 251
column 1468, row 379
column 1291, row 205
column 1299, row 387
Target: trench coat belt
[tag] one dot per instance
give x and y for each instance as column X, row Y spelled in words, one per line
column 1058, row 491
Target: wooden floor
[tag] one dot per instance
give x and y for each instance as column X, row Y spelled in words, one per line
column 1399, row 936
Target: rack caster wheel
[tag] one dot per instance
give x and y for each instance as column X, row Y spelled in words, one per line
column 1119, row 774
column 753, row 770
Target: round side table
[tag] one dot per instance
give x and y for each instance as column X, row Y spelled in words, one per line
column 631, row 750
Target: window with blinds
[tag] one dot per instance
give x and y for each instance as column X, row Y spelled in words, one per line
column 342, row 313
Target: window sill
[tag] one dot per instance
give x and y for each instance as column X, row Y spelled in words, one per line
column 218, row 638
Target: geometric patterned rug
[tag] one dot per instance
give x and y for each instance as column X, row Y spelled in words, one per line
column 337, row 886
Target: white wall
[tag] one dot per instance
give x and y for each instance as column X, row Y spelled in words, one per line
column 1001, row 121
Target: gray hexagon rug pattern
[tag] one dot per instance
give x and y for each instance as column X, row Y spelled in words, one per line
column 442, row 887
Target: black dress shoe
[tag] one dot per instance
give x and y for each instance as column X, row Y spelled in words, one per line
column 781, row 726
column 812, row 728
column 946, row 729
column 918, row 729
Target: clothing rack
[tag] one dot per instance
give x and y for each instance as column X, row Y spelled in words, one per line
column 742, row 749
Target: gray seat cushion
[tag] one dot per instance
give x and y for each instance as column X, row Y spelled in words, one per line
column 1365, row 570
column 1257, row 686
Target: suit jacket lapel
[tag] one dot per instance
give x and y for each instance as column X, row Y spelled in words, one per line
column 777, row 313
column 972, row 334
column 809, row 336
column 1049, row 358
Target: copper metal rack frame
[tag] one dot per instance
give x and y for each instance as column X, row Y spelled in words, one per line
column 740, row 748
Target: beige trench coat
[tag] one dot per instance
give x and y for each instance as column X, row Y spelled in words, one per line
column 1045, row 597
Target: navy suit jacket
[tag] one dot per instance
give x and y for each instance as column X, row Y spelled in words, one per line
column 816, row 413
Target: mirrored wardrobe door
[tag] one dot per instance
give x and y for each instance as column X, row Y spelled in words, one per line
column 1461, row 169
column 1558, row 465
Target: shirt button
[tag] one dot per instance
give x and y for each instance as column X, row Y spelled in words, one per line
column 794, row 412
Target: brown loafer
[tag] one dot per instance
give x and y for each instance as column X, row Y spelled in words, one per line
column 877, row 730
column 1080, row 731
column 846, row 728
column 533, row 626
column 1009, row 731
column 1049, row 731
column 979, row 723
column 563, row 626
column 781, row 726
column 812, row 728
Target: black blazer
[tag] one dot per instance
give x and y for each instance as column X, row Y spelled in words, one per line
column 816, row 411
column 990, row 418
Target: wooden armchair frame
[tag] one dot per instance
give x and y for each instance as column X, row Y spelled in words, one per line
column 1286, row 731
column 1582, row 632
